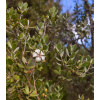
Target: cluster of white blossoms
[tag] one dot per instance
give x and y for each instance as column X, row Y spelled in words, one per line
column 39, row 55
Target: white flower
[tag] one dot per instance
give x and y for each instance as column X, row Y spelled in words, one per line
column 39, row 55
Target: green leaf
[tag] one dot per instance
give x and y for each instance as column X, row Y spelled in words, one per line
column 71, row 48
column 40, row 68
column 67, row 52
column 46, row 39
column 74, row 47
column 16, row 49
column 58, row 47
column 73, row 55
column 89, row 58
column 20, row 65
column 33, row 94
column 52, row 11
column 63, row 78
column 82, row 97
column 12, row 56
column 24, row 22
column 82, row 75
column 86, row 64
column 61, row 54
column 85, row 69
column 16, row 77
column 24, row 60
column 9, row 44
column 41, row 25
column 10, row 61
column 11, row 10
column 14, row 45
column 92, row 61
column 12, row 89
column 69, row 79
column 11, row 80
column 40, row 31
column 58, row 64
column 26, row 89
column 76, row 52
column 25, row 71
column 58, row 59
column 20, row 5
column 21, row 36
column 69, row 73
column 45, row 47
column 25, row 5
column 57, row 72
column 13, row 16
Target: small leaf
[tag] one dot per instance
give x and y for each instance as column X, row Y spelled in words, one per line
column 20, row 65
column 12, row 89
column 73, row 55
column 41, row 25
column 82, row 75
column 58, row 47
column 89, row 58
column 16, row 77
column 45, row 47
column 74, row 47
column 67, row 52
column 85, row 69
column 24, row 60
column 14, row 45
column 69, row 79
column 9, row 61
column 40, row 31
column 69, row 73
column 86, row 64
column 61, row 54
column 25, row 5
column 58, row 64
column 82, row 97
column 9, row 44
column 24, row 22
column 21, row 36
column 57, row 72
column 46, row 39
column 92, row 61
column 16, row 49
column 71, row 48
column 33, row 94
column 58, row 59
column 26, row 89
column 11, row 80
column 40, row 68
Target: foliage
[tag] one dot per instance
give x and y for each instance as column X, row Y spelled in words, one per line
column 48, row 79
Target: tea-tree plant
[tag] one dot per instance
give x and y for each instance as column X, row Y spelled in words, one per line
column 38, row 66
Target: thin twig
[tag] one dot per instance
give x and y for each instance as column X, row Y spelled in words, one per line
column 35, row 85
column 52, row 89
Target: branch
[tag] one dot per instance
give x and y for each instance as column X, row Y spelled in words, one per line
column 52, row 89
column 35, row 85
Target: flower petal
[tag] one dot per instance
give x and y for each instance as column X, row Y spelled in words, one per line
column 38, row 59
column 42, row 53
column 35, row 54
column 37, row 51
column 43, row 57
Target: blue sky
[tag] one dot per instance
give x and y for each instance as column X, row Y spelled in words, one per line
column 69, row 4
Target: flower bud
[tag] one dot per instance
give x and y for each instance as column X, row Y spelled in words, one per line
column 46, row 90
column 43, row 94
column 26, row 63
